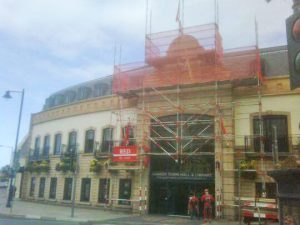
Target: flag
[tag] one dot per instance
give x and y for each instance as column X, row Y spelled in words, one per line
column 126, row 135
column 258, row 67
column 223, row 129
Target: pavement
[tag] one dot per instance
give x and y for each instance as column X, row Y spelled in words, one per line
column 32, row 213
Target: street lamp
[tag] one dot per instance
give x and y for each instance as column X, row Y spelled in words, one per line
column 12, row 175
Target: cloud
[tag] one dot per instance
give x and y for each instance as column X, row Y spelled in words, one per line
column 70, row 26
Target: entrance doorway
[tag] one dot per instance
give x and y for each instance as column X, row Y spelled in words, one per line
column 183, row 163
column 171, row 197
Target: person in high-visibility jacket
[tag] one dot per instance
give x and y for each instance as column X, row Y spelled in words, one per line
column 193, row 206
column 207, row 200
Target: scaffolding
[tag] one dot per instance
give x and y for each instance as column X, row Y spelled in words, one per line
column 187, row 73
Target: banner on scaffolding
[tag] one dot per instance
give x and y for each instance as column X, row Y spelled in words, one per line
column 125, row 154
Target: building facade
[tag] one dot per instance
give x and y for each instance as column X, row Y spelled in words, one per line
column 178, row 138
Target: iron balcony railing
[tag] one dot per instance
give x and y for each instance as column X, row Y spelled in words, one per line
column 284, row 145
column 106, row 147
column 38, row 157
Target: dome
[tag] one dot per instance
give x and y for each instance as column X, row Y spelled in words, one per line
column 184, row 45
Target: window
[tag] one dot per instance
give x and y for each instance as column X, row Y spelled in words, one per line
column 32, row 187
column 57, row 144
column 103, row 192
column 85, row 189
column 72, row 141
column 128, row 136
column 107, row 140
column 46, row 146
column 89, row 141
column 53, row 184
column 37, row 143
column 100, row 90
column 68, row 189
column 270, row 190
column 124, row 191
column 49, row 103
column 269, row 122
column 84, row 93
column 70, row 97
column 42, row 187
column 59, row 99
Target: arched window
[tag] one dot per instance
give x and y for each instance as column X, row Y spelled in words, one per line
column 84, row 93
column 72, row 141
column 100, row 89
column 57, row 144
column 89, row 141
column 37, row 144
column 49, row 103
column 70, row 96
column 59, row 99
column 46, row 146
column 107, row 140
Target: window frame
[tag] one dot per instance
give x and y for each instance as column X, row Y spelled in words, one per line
column 85, row 190
column 67, row 194
column 46, row 145
column 103, row 190
column 32, row 187
column 52, row 193
column 131, row 135
column 107, row 144
column 42, row 187
column 37, row 146
column 55, row 151
column 72, row 145
column 283, row 140
column 89, row 147
column 122, row 194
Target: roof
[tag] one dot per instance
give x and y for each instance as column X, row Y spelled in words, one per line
column 274, row 61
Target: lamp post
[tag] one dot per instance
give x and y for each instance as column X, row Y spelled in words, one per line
column 12, row 175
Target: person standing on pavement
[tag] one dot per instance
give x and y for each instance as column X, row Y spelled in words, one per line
column 207, row 200
column 193, row 206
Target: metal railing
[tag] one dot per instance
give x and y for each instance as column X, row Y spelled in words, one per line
column 106, row 148
column 285, row 145
column 38, row 157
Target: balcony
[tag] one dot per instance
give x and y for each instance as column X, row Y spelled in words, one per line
column 38, row 157
column 105, row 149
column 284, row 145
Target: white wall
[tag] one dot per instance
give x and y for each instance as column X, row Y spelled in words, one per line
column 81, row 124
column 286, row 103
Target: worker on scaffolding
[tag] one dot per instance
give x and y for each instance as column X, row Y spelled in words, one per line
column 207, row 200
column 193, row 209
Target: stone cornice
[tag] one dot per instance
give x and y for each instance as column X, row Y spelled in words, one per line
column 271, row 86
column 83, row 107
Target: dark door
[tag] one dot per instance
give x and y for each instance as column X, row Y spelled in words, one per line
column 171, row 197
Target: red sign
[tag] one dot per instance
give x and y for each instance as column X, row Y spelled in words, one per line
column 125, row 154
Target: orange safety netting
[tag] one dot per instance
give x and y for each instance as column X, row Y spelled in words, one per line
column 194, row 56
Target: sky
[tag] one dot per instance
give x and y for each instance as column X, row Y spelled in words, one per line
column 48, row 45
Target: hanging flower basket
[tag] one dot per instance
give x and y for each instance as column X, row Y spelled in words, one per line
column 95, row 166
column 246, row 166
column 65, row 166
column 38, row 167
